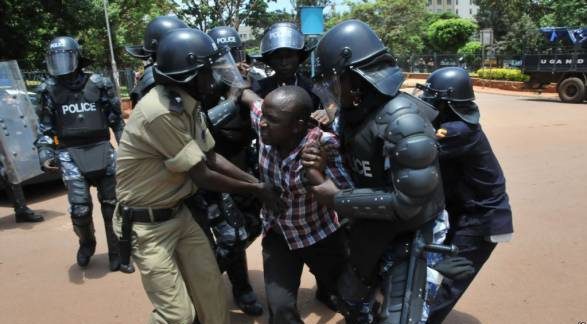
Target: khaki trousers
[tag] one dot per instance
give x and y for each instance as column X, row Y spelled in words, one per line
column 178, row 270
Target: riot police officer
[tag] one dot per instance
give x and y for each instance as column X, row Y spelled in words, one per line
column 283, row 49
column 389, row 141
column 146, row 52
column 77, row 110
column 22, row 213
column 474, row 184
column 234, row 218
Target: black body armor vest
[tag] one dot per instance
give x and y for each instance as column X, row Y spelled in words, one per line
column 392, row 150
column 79, row 116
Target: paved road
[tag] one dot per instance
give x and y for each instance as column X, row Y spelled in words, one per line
column 540, row 277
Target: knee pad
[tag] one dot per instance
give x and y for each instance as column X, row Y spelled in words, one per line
column 78, row 193
column 107, row 191
column 81, row 214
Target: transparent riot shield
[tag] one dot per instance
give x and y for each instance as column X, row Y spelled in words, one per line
column 18, row 126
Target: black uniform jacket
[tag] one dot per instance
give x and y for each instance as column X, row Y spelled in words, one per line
column 474, row 184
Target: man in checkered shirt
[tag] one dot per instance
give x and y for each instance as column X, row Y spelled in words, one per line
column 307, row 231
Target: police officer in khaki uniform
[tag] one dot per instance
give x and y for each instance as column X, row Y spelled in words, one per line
column 165, row 155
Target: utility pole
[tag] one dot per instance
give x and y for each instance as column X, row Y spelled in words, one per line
column 112, row 61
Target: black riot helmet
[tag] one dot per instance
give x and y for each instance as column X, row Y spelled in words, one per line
column 453, row 86
column 183, row 53
column 155, row 30
column 63, row 56
column 283, row 35
column 353, row 46
column 228, row 36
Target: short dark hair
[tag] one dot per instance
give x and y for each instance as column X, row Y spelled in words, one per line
column 292, row 96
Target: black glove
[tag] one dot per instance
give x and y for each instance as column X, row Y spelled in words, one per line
column 455, row 268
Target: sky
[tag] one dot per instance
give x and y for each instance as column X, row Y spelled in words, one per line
column 285, row 4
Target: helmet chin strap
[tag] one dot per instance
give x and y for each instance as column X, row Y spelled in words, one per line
column 357, row 97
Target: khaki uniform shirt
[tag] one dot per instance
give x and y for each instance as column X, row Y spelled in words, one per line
column 158, row 148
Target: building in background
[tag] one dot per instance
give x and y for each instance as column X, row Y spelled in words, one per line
column 462, row 8
column 246, row 33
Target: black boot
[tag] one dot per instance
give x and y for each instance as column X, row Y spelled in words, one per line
column 26, row 215
column 22, row 213
column 113, row 248
column 248, row 303
column 326, row 298
column 243, row 294
column 87, row 243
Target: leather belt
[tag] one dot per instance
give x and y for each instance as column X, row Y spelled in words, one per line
column 148, row 215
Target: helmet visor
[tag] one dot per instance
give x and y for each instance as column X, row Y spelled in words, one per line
column 225, row 69
column 382, row 73
column 282, row 38
column 238, row 54
column 61, row 62
column 328, row 89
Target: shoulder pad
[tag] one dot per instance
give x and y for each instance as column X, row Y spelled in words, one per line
column 148, row 73
column 100, row 81
column 404, row 103
column 146, row 82
column 46, row 85
column 42, row 87
column 403, row 116
column 96, row 78
column 107, row 82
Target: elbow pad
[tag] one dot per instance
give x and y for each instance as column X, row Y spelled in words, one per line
column 374, row 204
column 46, row 154
column 222, row 113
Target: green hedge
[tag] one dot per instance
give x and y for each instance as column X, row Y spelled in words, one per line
column 502, row 74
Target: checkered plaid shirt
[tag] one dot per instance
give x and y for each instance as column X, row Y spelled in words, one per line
column 305, row 221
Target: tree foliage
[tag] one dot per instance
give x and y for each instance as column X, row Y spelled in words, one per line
column 207, row 14
column 499, row 14
column 515, row 23
column 26, row 27
column 522, row 37
column 564, row 13
column 448, row 35
column 399, row 23
column 471, row 54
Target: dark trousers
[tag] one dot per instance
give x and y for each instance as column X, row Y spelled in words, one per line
column 282, row 270
column 474, row 248
column 238, row 273
column 16, row 194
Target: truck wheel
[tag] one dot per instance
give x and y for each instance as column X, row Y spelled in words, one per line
column 571, row 90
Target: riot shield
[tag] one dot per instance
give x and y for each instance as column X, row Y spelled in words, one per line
column 18, row 126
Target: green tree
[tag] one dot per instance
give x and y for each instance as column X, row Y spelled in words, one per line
column 448, row 35
column 564, row 13
column 128, row 20
column 207, row 14
column 523, row 37
column 432, row 17
column 399, row 23
column 26, row 27
column 25, row 38
column 500, row 14
column 471, row 53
